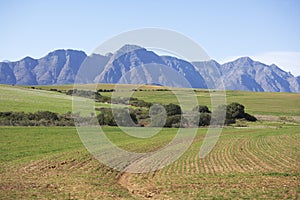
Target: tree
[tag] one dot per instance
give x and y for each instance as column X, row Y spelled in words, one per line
column 158, row 120
column 204, row 119
column 106, row 117
column 173, row 109
column 235, row 110
column 221, row 116
column 201, row 109
column 158, row 115
column 173, row 121
column 121, row 117
column 124, row 117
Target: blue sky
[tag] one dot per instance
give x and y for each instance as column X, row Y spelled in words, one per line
column 266, row 30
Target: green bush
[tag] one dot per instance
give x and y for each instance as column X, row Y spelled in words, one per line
column 84, row 93
column 235, row 111
column 172, row 109
column 121, row 117
column 47, row 115
column 39, row 118
column 139, row 103
column 201, row 109
column 204, row 119
column 173, row 121
column 158, row 120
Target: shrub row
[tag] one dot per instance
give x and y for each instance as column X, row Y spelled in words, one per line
column 149, row 114
column 171, row 116
column 40, row 118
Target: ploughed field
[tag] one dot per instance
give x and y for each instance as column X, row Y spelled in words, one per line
column 43, row 162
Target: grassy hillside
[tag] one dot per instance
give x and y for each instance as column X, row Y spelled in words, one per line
column 15, row 98
column 43, row 163
column 25, row 99
column 262, row 103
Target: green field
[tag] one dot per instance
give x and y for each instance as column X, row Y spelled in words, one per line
column 25, row 99
column 260, row 160
column 261, row 103
column 20, row 99
column 43, row 163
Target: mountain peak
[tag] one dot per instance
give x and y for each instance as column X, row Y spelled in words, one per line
column 274, row 66
column 61, row 52
column 27, row 59
column 245, row 59
column 128, row 48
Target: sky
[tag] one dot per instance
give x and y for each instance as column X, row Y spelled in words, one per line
column 265, row 30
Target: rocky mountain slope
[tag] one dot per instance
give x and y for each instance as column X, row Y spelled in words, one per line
column 134, row 64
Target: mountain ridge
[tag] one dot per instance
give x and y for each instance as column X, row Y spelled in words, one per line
column 144, row 67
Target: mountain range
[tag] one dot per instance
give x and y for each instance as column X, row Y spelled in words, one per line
column 137, row 65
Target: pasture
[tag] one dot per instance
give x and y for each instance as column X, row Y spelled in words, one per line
column 17, row 98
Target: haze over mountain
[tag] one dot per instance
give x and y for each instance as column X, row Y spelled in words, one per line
column 134, row 64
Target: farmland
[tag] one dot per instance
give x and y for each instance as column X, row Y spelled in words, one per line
column 46, row 162
column 25, row 99
column 259, row 160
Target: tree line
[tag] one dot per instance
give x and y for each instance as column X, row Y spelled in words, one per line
column 169, row 115
column 39, row 118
